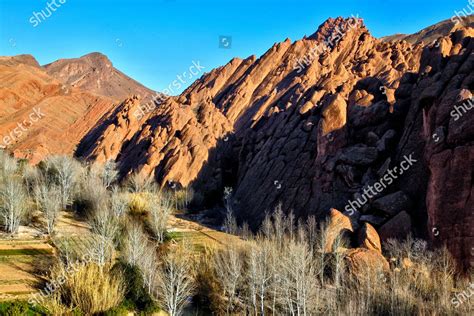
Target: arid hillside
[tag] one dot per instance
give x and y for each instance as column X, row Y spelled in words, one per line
column 433, row 32
column 95, row 73
column 315, row 124
column 48, row 110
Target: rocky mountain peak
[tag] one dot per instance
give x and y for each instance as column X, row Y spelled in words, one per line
column 96, row 59
column 333, row 26
column 25, row 59
column 94, row 72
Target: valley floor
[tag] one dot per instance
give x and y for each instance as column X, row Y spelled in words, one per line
column 26, row 259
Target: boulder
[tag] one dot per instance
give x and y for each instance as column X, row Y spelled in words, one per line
column 361, row 262
column 393, row 203
column 398, row 227
column 338, row 226
column 372, row 219
column 368, row 238
column 359, row 155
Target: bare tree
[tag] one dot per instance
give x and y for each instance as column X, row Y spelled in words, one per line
column 106, row 172
column 176, row 283
column 48, row 200
column 230, row 223
column 91, row 194
column 229, row 272
column 8, row 164
column 63, row 171
column 148, row 264
column 312, row 231
column 260, row 274
column 279, row 225
column 298, row 279
column 105, row 228
column 338, row 268
column 13, row 203
column 161, row 208
column 31, row 177
column 135, row 244
column 140, row 183
column 118, row 202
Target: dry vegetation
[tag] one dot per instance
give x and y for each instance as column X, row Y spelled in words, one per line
column 286, row 270
column 129, row 261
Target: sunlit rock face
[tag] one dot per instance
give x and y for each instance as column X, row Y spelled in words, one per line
column 323, row 122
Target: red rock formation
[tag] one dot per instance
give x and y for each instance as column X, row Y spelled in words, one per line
column 312, row 124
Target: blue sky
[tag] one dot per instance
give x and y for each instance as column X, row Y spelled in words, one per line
column 153, row 41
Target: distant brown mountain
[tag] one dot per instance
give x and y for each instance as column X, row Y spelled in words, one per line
column 95, row 73
column 72, row 96
column 432, row 33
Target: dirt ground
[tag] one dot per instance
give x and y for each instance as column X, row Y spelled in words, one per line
column 26, row 258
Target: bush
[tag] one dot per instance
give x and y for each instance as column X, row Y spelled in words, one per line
column 20, row 308
column 93, row 289
column 136, row 296
column 139, row 183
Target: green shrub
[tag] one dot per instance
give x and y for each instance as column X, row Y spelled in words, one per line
column 20, row 308
column 136, row 296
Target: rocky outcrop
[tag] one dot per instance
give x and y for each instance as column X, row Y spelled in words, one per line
column 339, row 230
column 368, row 238
column 338, row 119
column 363, row 263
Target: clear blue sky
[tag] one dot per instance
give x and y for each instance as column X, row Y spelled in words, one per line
column 154, row 40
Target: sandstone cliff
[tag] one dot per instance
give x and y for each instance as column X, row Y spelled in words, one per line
column 315, row 124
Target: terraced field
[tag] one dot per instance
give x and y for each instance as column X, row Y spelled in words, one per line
column 25, row 260
column 201, row 236
column 22, row 263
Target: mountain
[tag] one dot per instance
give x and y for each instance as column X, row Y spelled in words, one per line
column 95, row 73
column 48, row 110
column 314, row 124
column 432, row 33
column 377, row 128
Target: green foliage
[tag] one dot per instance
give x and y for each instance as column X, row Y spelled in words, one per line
column 20, row 308
column 136, row 296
